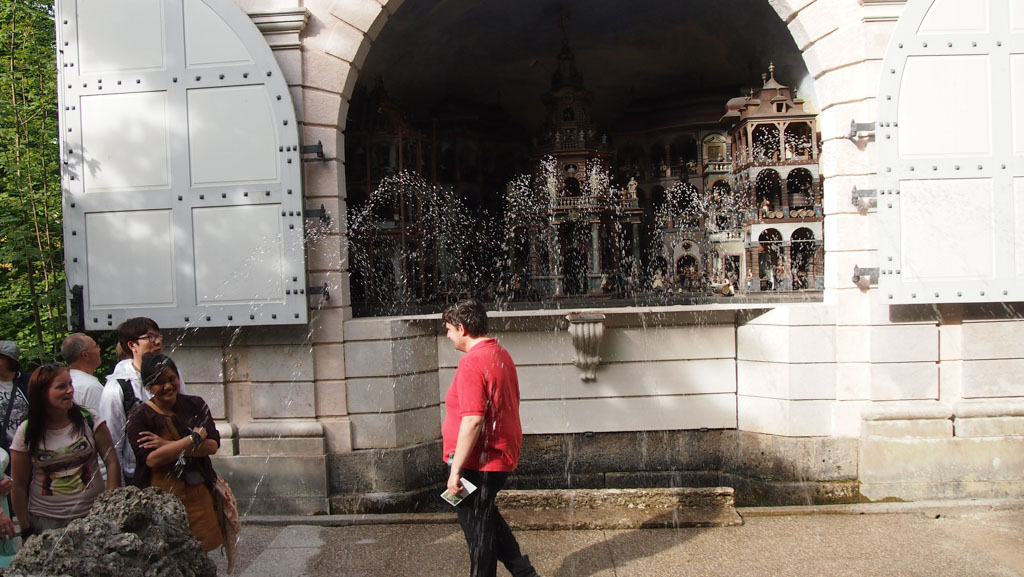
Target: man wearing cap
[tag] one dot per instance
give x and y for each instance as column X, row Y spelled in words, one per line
column 141, row 336
column 82, row 355
column 13, row 384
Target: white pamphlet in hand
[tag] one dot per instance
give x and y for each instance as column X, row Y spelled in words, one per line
column 467, row 488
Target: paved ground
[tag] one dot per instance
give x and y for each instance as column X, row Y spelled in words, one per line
column 975, row 539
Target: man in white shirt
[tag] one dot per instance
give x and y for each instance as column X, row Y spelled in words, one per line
column 141, row 336
column 82, row 355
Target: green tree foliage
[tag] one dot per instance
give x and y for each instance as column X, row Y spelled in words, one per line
column 32, row 310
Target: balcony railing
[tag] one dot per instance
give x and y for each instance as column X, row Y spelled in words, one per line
column 591, row 202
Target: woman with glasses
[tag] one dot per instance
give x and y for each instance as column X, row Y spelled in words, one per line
column 57, row 446
column 173, row 436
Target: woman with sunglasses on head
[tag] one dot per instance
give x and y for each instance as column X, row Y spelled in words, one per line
column 57, row 445
column 173, row 436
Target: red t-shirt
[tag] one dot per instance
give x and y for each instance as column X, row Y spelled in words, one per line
column 485, row 384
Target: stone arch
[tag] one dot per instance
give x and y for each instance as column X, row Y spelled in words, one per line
column 335, row 42
column 339, row 35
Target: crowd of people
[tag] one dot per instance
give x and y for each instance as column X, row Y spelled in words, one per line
column 68, row 437
column 71, row 438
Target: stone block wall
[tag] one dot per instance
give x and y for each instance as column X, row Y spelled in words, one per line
column 658, row 371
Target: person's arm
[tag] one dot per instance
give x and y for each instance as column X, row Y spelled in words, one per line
column 208, row 432
column 469, row 431
column 21, row 468
column 205, row 449
column 164, row 452
column 6, row 526
column 108, row 455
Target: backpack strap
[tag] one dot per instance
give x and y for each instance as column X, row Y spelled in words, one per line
column 21, row 382
column 128, row 400
column 4, row 442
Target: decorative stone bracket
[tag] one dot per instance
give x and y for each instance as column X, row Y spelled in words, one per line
column 281, row 27
column 587, row 330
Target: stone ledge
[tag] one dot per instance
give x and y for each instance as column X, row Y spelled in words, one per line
column 426, row 500
column 275, row 429
column 943, row 490
column 908, row 412
column 619, row 508
column 989, row 408
column 989, row 427
column 915, row 469
column 286, row 446
column 909, row 429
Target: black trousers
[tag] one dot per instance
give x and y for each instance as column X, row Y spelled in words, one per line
column 488, row 535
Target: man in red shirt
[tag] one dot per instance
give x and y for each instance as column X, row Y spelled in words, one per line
column 482, row 436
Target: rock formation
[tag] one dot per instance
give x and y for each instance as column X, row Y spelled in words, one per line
column 129, row 532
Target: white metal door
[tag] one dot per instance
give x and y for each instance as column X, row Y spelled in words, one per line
column 951, row 136
column 181, row 177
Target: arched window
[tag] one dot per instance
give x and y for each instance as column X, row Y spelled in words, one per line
column 657, row 160
column 572, row 187
column 765, row 145
column 802, row 253
column 799, row 141
column 768, row 187
column 685, row 149
column 726, row 214
column 770, row 269
column 715, row 148
column 799, row 185
column 688, row 272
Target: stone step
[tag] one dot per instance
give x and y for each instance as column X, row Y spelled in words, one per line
column 619, row 508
